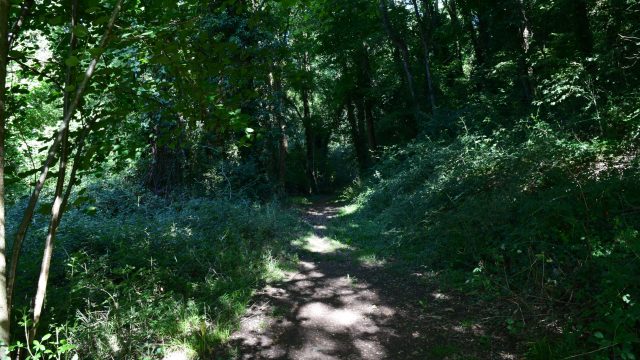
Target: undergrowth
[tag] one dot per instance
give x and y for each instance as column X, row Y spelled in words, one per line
column 138, row 276
column 543, row 220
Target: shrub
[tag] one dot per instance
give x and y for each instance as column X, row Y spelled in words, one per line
column 528, row 213
column 136, row 275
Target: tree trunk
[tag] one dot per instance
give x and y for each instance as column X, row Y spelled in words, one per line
column 5, row 310
column 452, row 8
column 362, row 135
column 425, row 46
column 477, row 49
column 24, row 11
column 368, row 100
column 371, row 131
column 309, row 137
column 309, row 131
column 51, row 154
column 56, row 209
column 276, row 85
column 582, row 28
column 168, row 166
column 524, row 68
column 70, row 78
column 401, row 46
column 283, row 146
column 484, row 33
column 355, row 136
column 616, row 12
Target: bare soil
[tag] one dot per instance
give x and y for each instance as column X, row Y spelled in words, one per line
column 333, row 307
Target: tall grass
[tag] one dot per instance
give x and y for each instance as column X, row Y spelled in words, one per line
column 138, row 276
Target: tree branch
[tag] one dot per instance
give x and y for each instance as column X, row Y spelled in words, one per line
column 33, row 200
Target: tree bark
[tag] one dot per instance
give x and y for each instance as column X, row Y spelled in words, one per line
column 5, row 310
column 283, row 149
column 582, row 28
column 309, row 130
column 425, row 46
column 28, row 213
column 283, row 145
column 355, row 135
column 484, row 33
column 368, row 100
column 371, row 131
column 402, row 48
column 57, row 208
column 452, row 8
column 70, row 76
column 362, row 135
column 524, row 68
column 468, row 21
column 24, row 11
column 309, row 137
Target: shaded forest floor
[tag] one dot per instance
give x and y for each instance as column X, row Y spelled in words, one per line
column 336, row 306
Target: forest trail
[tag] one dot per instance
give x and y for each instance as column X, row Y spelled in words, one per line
column 334, row 307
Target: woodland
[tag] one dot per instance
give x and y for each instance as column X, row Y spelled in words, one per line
column 164, row 163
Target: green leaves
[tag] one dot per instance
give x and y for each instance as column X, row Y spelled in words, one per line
column 72, row 61
column 80, row 31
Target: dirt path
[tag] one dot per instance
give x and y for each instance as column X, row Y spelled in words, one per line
column 335, row 308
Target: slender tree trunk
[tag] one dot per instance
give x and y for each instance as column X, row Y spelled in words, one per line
column 477, row 49
column 368, row 100
column 582, row 28
column 362, row 135
column 524, row 68
column 309, row 137
column 56, row 214
column 24, row 11
column 70, row 76
column 452, row 9
column 56, row 209
column 616, row 12
column 5, row 310
column 402, row 49
column 28, row 214
column 476, row 18
column 283, row 146
column 309, row 130
column 371, row 131
column 484, row 33
column 425, row 46
column 276, row 84
column 361, row 156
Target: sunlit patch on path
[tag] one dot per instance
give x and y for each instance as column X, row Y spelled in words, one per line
column 321, row 244
column 335, row 307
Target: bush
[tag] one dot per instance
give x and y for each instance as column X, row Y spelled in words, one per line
column 136, row 275
column 528, row 213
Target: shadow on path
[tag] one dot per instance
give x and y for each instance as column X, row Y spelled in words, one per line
column 335, row 308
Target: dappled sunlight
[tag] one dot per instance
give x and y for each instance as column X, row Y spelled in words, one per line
column 440, row 296
column 371, row 260
column 326, row 313
column 507, row 356
column 323, row 245
column 349, row 209
column 327, row 317
column 179, row 354
column 341, row 305
column 319, row 179
column 317, row 241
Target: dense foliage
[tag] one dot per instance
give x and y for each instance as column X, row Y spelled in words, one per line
column 539, row 220
column 142, row 276
column 149, row 146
